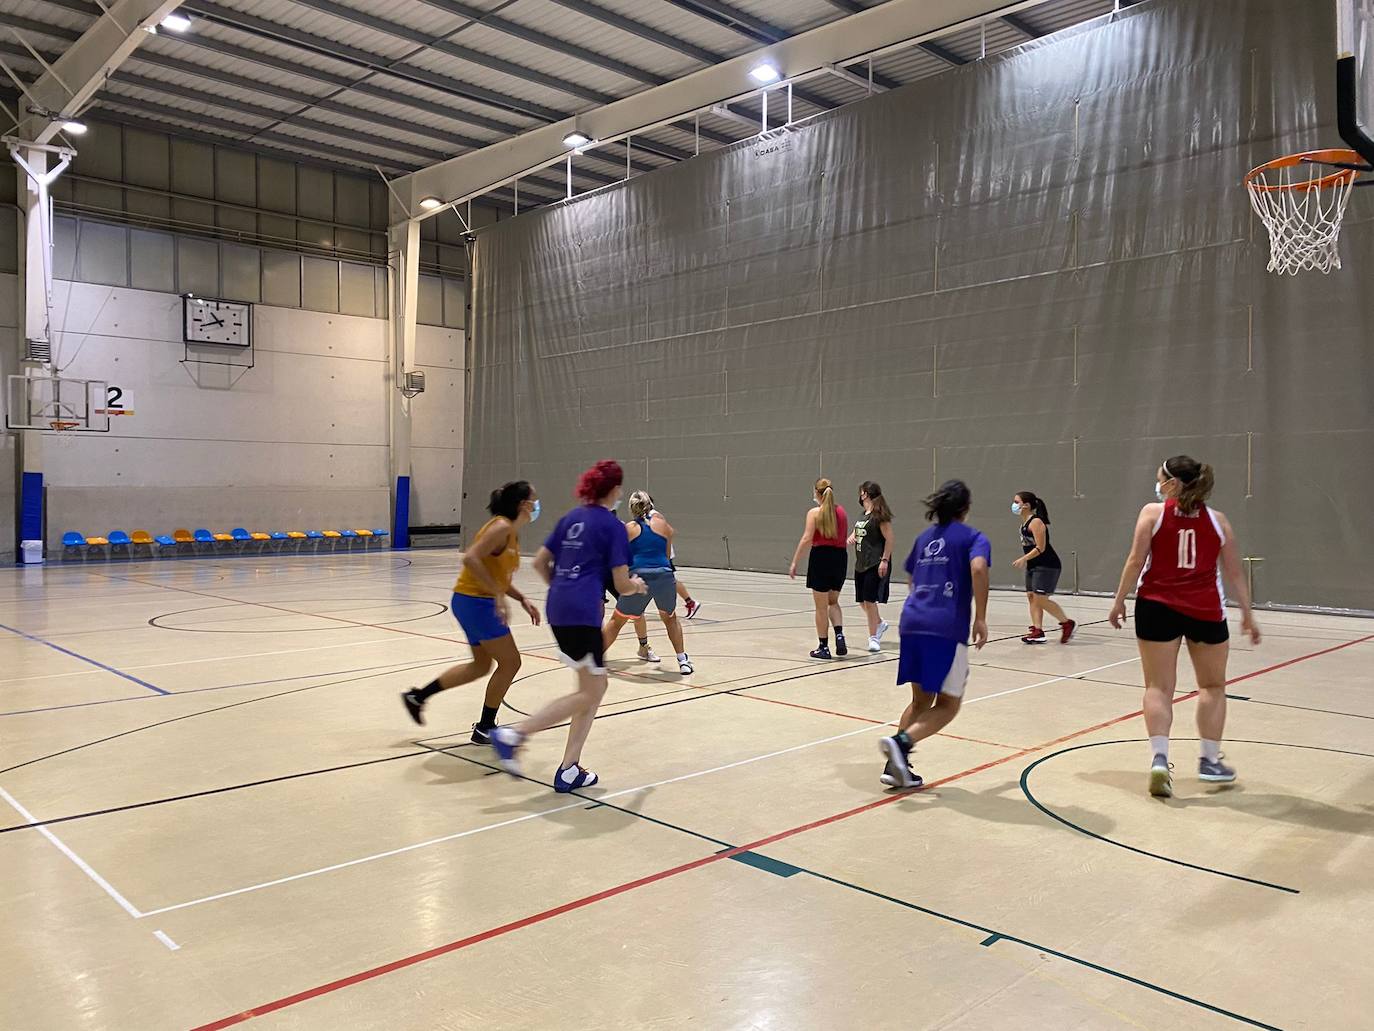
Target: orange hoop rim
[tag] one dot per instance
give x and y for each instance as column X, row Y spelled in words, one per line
column 1340, row 177
column 63, row 424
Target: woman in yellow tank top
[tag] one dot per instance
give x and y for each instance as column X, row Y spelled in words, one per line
column 480, row 606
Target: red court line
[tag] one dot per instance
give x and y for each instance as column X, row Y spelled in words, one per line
column 865, row 719
column 621, row 889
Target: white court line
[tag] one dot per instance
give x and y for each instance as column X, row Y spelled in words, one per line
column 583, row 800
column 81, row 864
column 162, row 937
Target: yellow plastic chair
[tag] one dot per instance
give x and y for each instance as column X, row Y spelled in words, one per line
column 363, row 533
column 96, row 541
column 141, row 537
column 258, row 535
column 223, row 537
column 183, row 536
column 295, row 535
column 332, row 533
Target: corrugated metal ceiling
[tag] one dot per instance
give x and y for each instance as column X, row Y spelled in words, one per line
column 402, row 83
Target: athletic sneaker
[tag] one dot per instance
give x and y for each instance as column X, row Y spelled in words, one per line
column 898, row 773
column 1036, row 636
column 1161, row 780
column 693, row 608
column 481, row 735
column 883, row 627
column 570, row 778
column 841, row 649
column 823, row 652
column 646, row 654
column 1215, row 772
column 874, row 645
column 1066, row 630
column 414, row 705
column 684, row 666
column 506, row 741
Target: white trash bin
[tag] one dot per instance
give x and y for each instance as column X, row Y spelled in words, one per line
column 31, row 552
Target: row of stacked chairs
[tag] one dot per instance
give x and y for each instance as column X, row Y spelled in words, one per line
column 76, row 542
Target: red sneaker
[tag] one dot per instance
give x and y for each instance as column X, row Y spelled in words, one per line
column 1036, row 636
column 1066, row 630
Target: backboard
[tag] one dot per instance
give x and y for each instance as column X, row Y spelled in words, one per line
column 1355, row 75
column 56, row 403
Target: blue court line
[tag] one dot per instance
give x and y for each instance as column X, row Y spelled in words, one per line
column 83, row 658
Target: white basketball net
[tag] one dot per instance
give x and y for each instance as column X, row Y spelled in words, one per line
column 1302, row 206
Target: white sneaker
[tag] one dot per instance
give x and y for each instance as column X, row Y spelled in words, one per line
column 684, row 665
column 883, row 627
column 874, row 645
column 646, row 654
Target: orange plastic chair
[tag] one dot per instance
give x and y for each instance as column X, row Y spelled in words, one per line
column 363, row 533
column 332, row 533
column 142, row 537
column 183, row 536
column 295, row 535
column 222, row 537
column 258, row 535
column 96, row 541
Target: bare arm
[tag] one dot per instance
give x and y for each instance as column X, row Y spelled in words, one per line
column 886, row 529
column 978, row 568
column 804, row 545
column 1234, row 576
column 491, row 541
column 1037, row 529
column 624, row 582
column 1135, row 561
column 543, row 565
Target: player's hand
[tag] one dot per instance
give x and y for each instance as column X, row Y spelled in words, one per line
column 980, row 633
column 792, row 571
column 531, row 610
column 503, row 611
column 1250, row 628
column 1020, row 563
column 883, row 566
column 1117, row 616
column 640, row 586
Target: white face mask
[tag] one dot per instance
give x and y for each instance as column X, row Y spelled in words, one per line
column 1016, row 508
column 1159, row 490
column 616, row 506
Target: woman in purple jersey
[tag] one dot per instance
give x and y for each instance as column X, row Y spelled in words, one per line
column 948, row 577
column 587, row 548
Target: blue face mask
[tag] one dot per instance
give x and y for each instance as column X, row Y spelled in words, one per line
column 616, row 506
column 534, row 512
column 1016, row 508
column 1159, row 491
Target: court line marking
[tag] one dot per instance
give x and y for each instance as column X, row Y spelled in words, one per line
column 80, row 863
column 83, row 658
column 534, row 816
column 587, row 900
column 162, row 937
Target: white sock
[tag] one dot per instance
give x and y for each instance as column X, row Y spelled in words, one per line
column 1211, row 751
column 1159, row 745
column 681, row 656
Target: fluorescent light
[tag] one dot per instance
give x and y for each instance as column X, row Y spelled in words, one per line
column 765, row 73
column 74, row 127
column 576, row 139
column 430, row 203
column 176, row 22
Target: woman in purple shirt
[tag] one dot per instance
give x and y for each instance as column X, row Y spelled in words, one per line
column 588, row 546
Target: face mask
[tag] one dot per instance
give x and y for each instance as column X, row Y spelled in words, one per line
column 1016, row 508
column 616, row 506
column 1159, row 491
column 534, row 512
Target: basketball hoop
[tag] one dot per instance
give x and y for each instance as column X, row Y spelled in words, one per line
column 1301, row 200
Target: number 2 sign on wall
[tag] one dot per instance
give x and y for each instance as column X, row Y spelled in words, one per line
column 114, row 403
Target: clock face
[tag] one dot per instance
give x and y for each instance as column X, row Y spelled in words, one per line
column 216, row 322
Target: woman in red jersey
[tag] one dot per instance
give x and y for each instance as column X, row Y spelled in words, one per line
column 1180, row 553
column 825, row 537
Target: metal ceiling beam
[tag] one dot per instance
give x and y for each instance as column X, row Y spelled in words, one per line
column 943, row 53
column 847, row 6
column 645, row 32
column 733, row 18
column 543, row 39
column 65, row 87
column 855, row 79
column 895, row 25
column 1022, row 26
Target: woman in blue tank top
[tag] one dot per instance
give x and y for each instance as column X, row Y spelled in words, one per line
column 651, row 544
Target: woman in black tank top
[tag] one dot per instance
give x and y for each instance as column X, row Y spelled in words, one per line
column 1042, row 566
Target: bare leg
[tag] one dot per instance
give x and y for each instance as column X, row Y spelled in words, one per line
column 682, row 591
column 871, row 611
column 933, row 718
column 642, row 628
column 819, row 598
column 1034, row 612
column 833, row 606
column 612, row 630
column 1159, row 660
column 591, row 688
column 567, row 706
column 456, row 676
column 674, row 627
column 1048, row 604
column 507, row 657
column 1209, row 665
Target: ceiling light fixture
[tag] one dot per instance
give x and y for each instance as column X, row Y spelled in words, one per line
column 74, row 127
column 765, row 73
column 430, row 203
column 576, row 139
column 176, row 22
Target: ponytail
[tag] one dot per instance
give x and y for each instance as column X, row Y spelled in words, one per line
column 1195, row 481
column 881, row 512
column 950, row 502
column 827, row 522
column 641, row 504
column 1037, row 505
column 506, row 501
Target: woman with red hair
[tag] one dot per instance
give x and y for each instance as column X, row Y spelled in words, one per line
column 587, row 547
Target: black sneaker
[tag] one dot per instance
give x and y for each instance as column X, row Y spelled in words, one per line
column 414, row 705
column 823, row 652
column 481, row 735
column 841, row 649
column 898, row 772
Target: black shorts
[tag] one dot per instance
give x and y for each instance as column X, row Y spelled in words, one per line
column 828, row 568
column 870, row 587
column 1155, row 621
column 1042, row 579
column 581, row 647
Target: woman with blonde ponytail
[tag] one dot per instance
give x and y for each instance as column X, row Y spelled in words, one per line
column 825, row 536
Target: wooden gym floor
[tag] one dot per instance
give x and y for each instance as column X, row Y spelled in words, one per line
column 213, row 810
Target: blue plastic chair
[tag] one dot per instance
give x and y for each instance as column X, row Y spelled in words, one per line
column 165, row 541
column 204, row 537
column 73, row 540
column 315, row 535
column 240, row 534
column 348, row 533
column 380, row 533
column 278, row 535
column 118, row 538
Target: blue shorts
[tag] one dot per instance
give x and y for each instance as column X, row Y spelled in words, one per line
column 478, row 618
column 937, row 664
